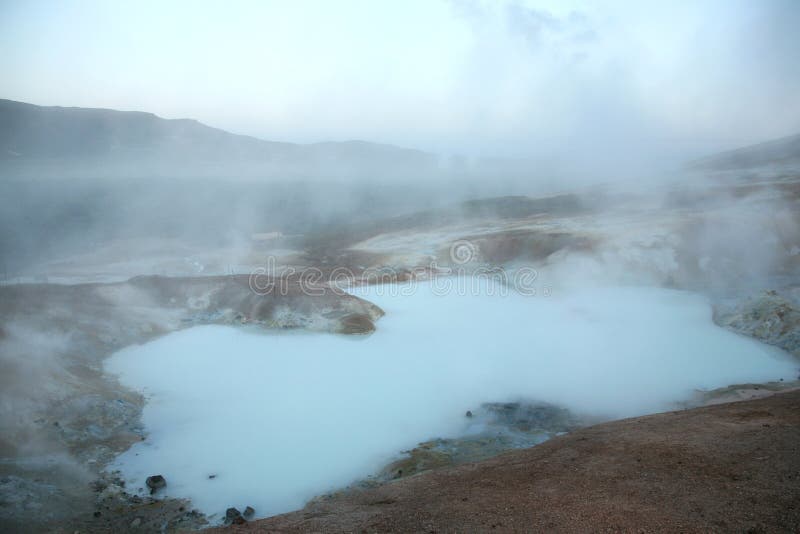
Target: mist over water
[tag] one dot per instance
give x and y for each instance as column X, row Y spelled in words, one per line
column 640, row 160
column 279, row 419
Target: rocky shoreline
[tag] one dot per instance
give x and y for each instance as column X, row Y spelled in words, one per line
column 94, row 423
column 729, row 467
column 63, row 419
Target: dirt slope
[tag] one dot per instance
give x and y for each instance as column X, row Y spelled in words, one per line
column 732, row 467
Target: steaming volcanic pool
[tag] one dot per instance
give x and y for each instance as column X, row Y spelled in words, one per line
column 281, row 418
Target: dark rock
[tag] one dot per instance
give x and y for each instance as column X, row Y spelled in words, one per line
column 249, row 512
column 155, row 483
column 468, row 414
column 231, row 514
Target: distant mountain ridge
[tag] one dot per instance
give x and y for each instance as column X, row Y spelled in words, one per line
column 109, row 141
column 782, row 152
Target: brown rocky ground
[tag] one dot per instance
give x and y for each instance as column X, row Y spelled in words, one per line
column 726, row 468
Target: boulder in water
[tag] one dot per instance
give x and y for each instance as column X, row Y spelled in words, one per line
column 155, row 483
column 233, row 515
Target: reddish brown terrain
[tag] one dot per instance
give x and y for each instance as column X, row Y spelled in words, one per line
column 726, row 468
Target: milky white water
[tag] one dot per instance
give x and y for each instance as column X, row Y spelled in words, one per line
column 282, row 417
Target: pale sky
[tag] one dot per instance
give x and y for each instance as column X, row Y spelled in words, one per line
column 509, row 78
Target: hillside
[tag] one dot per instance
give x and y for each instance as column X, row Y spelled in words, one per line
column 104, row 141
column 778, row 153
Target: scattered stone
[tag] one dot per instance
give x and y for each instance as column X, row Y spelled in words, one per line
column 136, row 522
column 231, row 514
column 155, row 483
column 468, row 414
column 249, row 512
column 211, row 477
